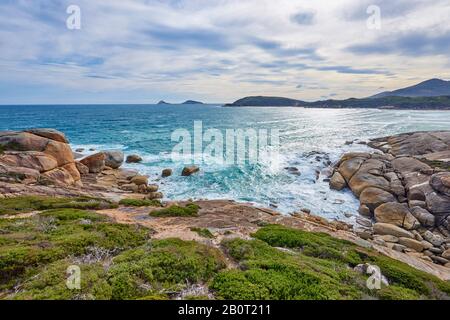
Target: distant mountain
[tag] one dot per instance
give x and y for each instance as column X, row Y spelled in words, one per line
column 260, row 101
column 192, row 102
column 163, row 102
column 429, row 88
column 418, row 103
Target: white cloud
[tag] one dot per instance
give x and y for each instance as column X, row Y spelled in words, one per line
column 215, row 49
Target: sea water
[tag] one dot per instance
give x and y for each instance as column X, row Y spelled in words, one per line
column 308, row 139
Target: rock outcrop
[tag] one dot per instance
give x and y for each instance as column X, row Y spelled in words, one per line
column 134, row 158
column 41, row 161
column 113, row 159
column 404, row 187
column 37, row 156
column 188, row 171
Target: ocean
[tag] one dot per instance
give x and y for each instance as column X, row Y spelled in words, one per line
column 308, row 138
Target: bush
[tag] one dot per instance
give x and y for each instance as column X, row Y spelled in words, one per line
column 268, row 273
column 140, row 203
column 312, row 244
column 164, row 265
column 28, row 248
column 202, row 232
column 24, row 204
column 190, row 210
column 50, row 284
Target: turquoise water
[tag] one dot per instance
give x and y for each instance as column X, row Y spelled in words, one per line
column 306, row 134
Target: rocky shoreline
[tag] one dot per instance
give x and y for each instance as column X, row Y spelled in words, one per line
column 402, row 187
column 404, row 192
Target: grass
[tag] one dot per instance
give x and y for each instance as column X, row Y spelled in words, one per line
column 23, row 204
column 32, row 243
column 120, row 261
column 319, row 267
column 190, row 210
column 164, row 266
column 202, row 232
column 268, row 273
column 319, row 245
column 140, row 203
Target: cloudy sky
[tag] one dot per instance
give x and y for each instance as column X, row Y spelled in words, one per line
column 142, row 51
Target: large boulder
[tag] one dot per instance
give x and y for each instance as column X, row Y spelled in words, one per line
column 166, row 173
column 440, row 182
column 349, row 167
column 29, row 159
column 82, row 169
column 22, row 141
column 188, row 171
column 60, row 151
column 95, row 162
column 72, row 169
column 140, row 180
column 392, row 230
column 374, row 197
column 134, row 158
column 408, row 164
column 411, row 243
column 424, row 216
column 113, row 159
column 397, row 214
column 435, row 239
column 59, row 176
column 51, row 134
column 363, row 180
column 18, row 174
column 337, row 182
column 42, row 150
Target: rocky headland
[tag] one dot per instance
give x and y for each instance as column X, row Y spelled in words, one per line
column 404, row 192
column 41, row 162
column 56, row 211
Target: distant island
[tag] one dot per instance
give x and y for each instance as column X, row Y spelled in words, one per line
column 162, row 102
column 427, row 95
column 192, row 102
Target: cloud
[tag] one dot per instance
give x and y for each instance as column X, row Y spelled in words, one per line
column 175, row 38
column 304, row 18
column 409, row 44
column 216, row 50
column 389, row 9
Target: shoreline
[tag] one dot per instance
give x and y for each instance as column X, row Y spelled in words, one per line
column 401, row 199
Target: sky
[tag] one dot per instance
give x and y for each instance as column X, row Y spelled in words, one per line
column 143, row 51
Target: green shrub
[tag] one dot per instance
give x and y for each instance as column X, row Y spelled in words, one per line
column 398, row 293
column 50, row 284
column 202, row 232
column 140, row 203
column 164, row 265
column 268, row 273
column 24, row 204
column 414, row 283
column 318, row 245
column 190, row 210
column 73, row 231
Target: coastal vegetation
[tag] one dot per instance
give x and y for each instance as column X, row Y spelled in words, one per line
column 202, row 232
column 23, row 204
column 122, row 261
column 395, row 102
column 140, row 203
column 189, row 210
